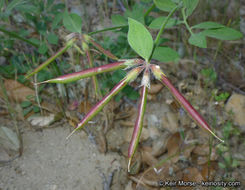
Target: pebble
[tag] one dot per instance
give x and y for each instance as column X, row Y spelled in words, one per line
column 236, row 104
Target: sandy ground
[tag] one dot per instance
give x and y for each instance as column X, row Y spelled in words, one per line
column 51, row 162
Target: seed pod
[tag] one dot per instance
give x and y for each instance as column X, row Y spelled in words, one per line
column 86, row 73
column 51, row 59
column 138, row 125
column 181, row 99
column 100, row 105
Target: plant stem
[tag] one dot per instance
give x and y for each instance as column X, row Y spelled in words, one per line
column 106, row 29
column 220, row 43
column 15, row 35
column 185, row 21
column 12, row 115
column 102, row 50
column 156, row 41
column 149, row 10
column 51, row 59
column 37, row 95
column 94, row 78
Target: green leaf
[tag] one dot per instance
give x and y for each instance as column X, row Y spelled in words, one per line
column 140, row 39
column 221, row 165
column 43, row 48
column 27, row 110
column 52, row 38
column 165, row 5
column 36, row 109
column 14, row 4
column 157, row 23
column 209, row 73
column 208, row 25
column 72, row 22
column 130, row 93
column 25, row 104
column 222, row 96
column 190, row 6
column 1, row 4
column 118, row 20
column 165, row 54
column 137, row 13
column 25, row 8
column 198, row 40
column 57, row 20
column 224, row 33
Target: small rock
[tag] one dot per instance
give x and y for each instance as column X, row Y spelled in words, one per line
column 41, row 121
column 144, row 134
column 154, row 132
column 129, row 186
column 170, row 122
column 152, row 120
column 114, row 140
column 159, row 145
column 236, row 104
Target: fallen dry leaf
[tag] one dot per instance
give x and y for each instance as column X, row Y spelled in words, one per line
column 170, row 122
column 17, row 92
column 202, row 152
column 165, row 172
column 159, row 144
column 208, row 171
column 155, row 88
column 173, row 146
column 147, row 157
column 191, row 175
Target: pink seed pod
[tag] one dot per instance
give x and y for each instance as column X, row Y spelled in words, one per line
column 181, row 99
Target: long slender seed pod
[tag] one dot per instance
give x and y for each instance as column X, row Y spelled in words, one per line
column 138, row 125
column 100, row 105
column 181, row 99
column 87, row 73
column 105, row 52
column 51, row 59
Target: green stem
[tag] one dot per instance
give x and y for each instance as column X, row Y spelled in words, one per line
column 51, row 59
column 220, row 43
column 106, row 29
column 94, row 78
column 185, row 21
column 12, row 115
column 15, row 35
column 149, row 10
column 157, row 39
